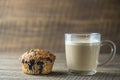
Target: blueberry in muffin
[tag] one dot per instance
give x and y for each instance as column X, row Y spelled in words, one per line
column 37, row 61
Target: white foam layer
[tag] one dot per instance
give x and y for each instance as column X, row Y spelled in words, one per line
column 81, row 42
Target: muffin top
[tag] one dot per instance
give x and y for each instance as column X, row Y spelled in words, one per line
column 37, row 54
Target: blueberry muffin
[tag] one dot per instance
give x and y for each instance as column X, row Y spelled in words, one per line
column 37, row 61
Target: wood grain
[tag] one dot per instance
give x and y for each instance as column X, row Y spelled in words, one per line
column 10, row 69
column 26, row 24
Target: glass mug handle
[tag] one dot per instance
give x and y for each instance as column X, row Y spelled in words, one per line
column 112, row 53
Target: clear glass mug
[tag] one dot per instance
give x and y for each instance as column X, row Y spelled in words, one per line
column 82, row 52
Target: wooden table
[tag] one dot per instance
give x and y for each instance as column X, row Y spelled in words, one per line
column 10, row 69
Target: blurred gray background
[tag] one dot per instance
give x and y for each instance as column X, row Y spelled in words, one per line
column 26, row 24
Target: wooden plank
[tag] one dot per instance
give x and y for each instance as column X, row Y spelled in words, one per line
column 10, row 69
column 28, row 24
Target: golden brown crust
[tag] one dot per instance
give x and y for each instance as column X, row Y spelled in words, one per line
column 37, row 61
column 37, row 54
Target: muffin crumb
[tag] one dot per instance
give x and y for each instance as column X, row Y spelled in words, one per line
column 37, row 61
